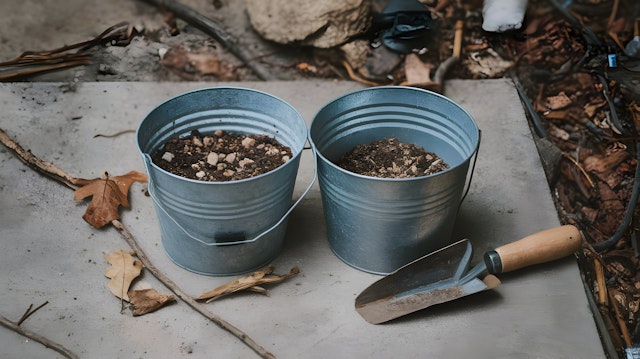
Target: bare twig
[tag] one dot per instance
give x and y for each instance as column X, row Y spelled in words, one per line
column 44, row 167
column 15, row 326
column 113, row 134
column 32, row 62
column 582, row 170
column 214, row 30
column 357, row 78
column 603, row 296
column 29, row 312
column 626, row 336
column 52, row 171
column 251, row 282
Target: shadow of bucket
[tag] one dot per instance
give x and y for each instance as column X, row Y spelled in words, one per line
column 223, row 228
column 378, row 225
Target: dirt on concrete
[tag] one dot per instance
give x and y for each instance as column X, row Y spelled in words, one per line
column 40, row 25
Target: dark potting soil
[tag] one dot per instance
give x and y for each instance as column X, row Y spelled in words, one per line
column 390, row 158
column 221, row 156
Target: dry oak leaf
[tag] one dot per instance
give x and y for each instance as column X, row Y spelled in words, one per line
column 251, row 282
column 147, row 300
column 108, row 194
column 124, row 269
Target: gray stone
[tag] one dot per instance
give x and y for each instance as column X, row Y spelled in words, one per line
column 320, row 24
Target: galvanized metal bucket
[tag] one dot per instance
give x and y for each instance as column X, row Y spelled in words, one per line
column 374, row 224
column 223, row 228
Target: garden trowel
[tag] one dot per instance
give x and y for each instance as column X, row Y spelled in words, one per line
column 444, row 275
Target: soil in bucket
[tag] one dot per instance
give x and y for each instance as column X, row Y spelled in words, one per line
column 221, row 156
column 390, row 158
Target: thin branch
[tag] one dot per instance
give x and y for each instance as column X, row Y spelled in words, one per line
column 29, row 312
column 38, row 338
column 357, row 78
column 52, row 171
column 44, row 167
column 36, row 62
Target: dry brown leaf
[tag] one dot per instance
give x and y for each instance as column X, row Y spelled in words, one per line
column 591, row 108
column 416, row 71
column 557, row 102
column 108, row 194
column 487, row 63
column 148, row 300
column 604, row 164
column 124, row 269
column 251, row 282
column 199, row 62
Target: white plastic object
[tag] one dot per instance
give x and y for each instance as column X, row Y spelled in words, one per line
column 503, row 15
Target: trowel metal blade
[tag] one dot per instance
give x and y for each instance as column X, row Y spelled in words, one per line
column 429, row 280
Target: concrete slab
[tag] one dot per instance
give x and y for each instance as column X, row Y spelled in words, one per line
column 48, row 253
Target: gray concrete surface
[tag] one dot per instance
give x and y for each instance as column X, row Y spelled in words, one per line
column 48, row 253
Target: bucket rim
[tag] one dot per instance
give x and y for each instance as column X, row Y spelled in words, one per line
column 147, row 156
column 318, row 153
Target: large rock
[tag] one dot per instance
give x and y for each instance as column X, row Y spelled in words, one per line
column 315, row 23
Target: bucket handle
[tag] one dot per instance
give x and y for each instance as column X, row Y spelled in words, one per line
column 147, row 163
column 473, row 167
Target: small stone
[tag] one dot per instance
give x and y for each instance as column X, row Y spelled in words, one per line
column 285, row 158
column 248, row 142
column 260, row 146
column 195, row 166
column 272, row 152
column 212, row 158
column 228, row 173
column 207, row 141
column 168, row 156
column 230, row 157
column 161, row 52
column 218, row 133
column 221, row 166
column 245, row 161
column 200, row 174
column 197, row 142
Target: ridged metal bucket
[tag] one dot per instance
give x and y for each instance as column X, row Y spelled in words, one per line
column 222, row 228
column 374, row 224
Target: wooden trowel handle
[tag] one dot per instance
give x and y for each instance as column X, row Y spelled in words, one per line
column 541, row 247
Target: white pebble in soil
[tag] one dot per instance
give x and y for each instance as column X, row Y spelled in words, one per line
column 212, row 158
column 168, row 156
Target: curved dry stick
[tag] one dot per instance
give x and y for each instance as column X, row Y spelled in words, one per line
column 44, row 167
column 52, row 171
column 128, row 237
column 38, row 338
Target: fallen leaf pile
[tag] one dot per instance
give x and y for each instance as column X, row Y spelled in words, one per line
column 124, row 269
column 107, row 195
